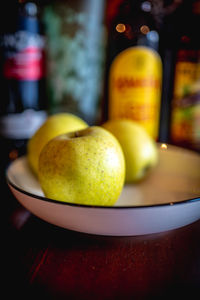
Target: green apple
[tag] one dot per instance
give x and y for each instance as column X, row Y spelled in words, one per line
column 54, row 125
column 85, row 167
column 139, row 148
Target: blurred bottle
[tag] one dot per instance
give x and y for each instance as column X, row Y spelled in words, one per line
column 170, row 13
column 134, row 66
column 75, row 45
column 185, row 116
column 22, row 77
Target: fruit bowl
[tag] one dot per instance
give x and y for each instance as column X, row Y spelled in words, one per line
column 167, row 199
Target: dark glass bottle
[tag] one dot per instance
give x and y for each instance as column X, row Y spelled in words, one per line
column 185, row 109
column 23, row 105
column 134, row 68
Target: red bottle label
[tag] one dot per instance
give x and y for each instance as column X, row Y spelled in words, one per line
column 25, row 65
column 24, row 56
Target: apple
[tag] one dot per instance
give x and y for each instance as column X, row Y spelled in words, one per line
column 84, row 167
column 140, row 150
column 54, row 125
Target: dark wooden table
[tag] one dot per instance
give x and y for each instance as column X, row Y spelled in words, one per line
column 43, row 261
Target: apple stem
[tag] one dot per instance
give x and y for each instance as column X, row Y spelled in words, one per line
column 76, row 134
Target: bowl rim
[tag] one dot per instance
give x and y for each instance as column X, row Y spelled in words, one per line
column 46, row 199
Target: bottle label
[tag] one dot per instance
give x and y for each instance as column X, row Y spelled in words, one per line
column 23, row 55
column 135, row 87
column 185, row 117
column 185, row 76
column 21, row 125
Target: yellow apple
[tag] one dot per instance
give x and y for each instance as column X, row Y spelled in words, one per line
column 84, row 167
column 139, row 148
column 54, row 125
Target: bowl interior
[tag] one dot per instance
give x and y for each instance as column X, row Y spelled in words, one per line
column 176, row 178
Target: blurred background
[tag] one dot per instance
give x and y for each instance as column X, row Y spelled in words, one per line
column 100, row 59
column 170, row 28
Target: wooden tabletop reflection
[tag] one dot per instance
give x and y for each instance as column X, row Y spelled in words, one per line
column 42, row 260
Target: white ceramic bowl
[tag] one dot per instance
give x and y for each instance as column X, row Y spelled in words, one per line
column 169, row 198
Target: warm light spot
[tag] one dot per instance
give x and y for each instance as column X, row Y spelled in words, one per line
column 144, row 29
column 120, row 27
column 13, row 154
column 163, row 146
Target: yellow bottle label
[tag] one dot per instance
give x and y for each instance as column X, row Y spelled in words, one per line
column 185, row 75
column 135, row 87
column 185, row 117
